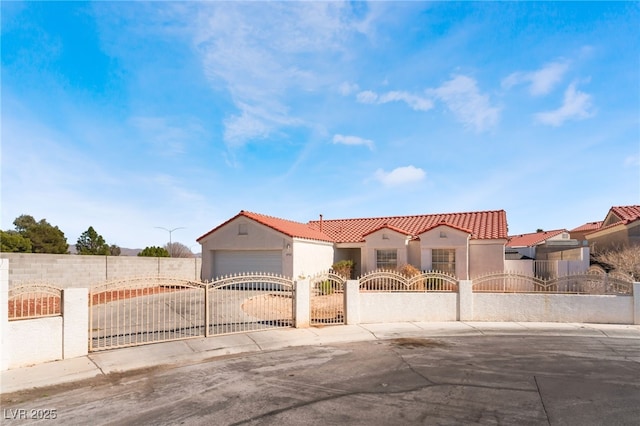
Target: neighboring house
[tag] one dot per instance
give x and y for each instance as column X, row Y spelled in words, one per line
column 620, row 227
column 534, row 244
column 579, row 233
column 463, row 244
column 546, row 254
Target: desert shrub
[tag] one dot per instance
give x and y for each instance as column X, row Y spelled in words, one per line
column 325, row 287
column 408, row 270
column 343, row 268
column 624, row 259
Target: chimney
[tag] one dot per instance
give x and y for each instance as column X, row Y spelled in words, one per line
column 321, row 223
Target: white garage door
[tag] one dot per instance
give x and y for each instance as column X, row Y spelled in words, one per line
column 227, row 262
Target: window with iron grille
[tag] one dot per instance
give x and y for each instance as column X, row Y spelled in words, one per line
column 444, row 260
column 387, row 259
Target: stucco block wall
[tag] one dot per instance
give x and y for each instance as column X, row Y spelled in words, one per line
column 34, row 341
column 73, row 271
column 553, row 308
column 394, row 307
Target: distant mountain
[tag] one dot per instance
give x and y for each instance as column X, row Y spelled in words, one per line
column 129, row 252
column 123, row 251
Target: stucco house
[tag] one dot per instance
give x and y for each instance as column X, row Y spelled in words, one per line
column 535, row 244
column 620, row 227
column 579, row 233
column 546, row 254
column 463, row 244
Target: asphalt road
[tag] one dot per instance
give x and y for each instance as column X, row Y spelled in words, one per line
column 537, row 380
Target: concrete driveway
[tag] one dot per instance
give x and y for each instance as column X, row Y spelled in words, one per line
column 500, row 377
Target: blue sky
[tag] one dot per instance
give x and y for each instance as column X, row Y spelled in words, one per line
column 125, row 116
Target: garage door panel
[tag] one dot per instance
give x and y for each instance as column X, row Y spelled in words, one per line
column 228, row 262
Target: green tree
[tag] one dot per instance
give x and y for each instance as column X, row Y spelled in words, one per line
column 154, row 251
column 13, row 242
column 24, row 222
column 114, row 250
column 92, row 243
column 44, row 237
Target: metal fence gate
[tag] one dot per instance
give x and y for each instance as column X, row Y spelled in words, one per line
column 137, row 311
column 327, row 299
column 142, row 310
column 249, row 302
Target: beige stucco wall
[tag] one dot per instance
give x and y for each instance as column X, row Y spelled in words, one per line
column 553, row 308
column 614, row 237
column 33, row 341
column 414, row 254
column 444, row 237
column 395, row 307
column 522, row 266
column 311, row 257
column 377, row 241
column 485, row 257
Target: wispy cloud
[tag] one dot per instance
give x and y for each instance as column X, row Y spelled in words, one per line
column 400, row 176
column 415, row 102
column 467, row 103
column 632, row 161
column 577, row 105
column 259, row 63
column 352, row 140
column 541, row 81
column 167, row 136
column 347, row 88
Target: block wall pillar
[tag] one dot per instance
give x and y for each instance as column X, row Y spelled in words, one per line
column 75, row 320
column 352, row 302
column 465, row 300
column 4, row 315
column 302, row 304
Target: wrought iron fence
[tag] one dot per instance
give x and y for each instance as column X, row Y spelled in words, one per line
column 141, row 310
column 327, row 298
column 34, row 300
column 249, row 302
column 393, row 281
column 594, row 283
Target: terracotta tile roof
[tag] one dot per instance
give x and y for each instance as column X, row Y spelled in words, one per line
column 532, row 239
column 435, row 225
column 482, row 225
column 589, row 226
column 287, row 227
column 626, row 214
column 620, row 215
column 387, row 226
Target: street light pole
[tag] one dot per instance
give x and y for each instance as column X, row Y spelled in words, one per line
column 170, row 231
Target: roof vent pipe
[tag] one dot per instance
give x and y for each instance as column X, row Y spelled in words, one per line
column 321, row 223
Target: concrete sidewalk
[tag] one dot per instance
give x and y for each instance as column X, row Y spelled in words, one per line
column 201, row 349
